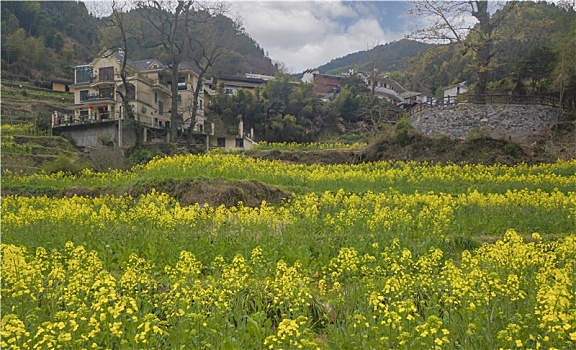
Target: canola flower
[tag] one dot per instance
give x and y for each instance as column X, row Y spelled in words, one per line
column 358, row 178
column 308, row 146
column 16, row 129
column 327, row 268
column 386, row 297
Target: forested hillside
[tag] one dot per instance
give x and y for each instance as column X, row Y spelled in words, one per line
column 43, row 40
column 533, row 53
column 388, row 57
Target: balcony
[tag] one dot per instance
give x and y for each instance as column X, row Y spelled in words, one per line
column 96, row 98
column 101, row 81
column 158, row 84
column 94, row 117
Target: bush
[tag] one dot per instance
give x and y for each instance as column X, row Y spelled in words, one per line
column 143, row 155
column 65, row 164
column 403, row 131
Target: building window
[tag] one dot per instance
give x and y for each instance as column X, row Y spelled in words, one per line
column 83, row 74
column 160, row 107
column 106, row 93
column 106, row 74
column 182, row 83
column 83, row 95
column 155, row 97
column 131, row 92
column 221, row 142
column 201, row 104
column 229, row 92
column 155, row 121
column 240, row 143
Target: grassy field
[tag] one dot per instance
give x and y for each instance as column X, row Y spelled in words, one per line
column 384, row 255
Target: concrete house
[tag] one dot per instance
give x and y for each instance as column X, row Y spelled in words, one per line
column 451, row 92
column 231, row 85
column 386, row 88
column 96, row 98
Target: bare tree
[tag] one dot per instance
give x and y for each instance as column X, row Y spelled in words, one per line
column 377, row 113
column 211, row 38
column 171, row 21
column 119, row 32
column 187, row 31
column 470, row 24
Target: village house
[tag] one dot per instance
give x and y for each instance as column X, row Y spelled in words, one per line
column 96, row 96
column 386, row 88
column 453, row 91
column 325, row 84
column 61, row 85
column 231, row 85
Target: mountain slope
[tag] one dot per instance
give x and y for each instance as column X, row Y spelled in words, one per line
column 388, row 57
column 43, row 40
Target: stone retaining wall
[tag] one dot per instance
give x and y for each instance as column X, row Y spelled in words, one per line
column 497, row 121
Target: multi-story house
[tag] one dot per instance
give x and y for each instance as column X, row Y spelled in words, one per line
column 97, row 86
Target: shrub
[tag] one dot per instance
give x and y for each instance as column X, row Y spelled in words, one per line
column 65, row 164
column 404, row 131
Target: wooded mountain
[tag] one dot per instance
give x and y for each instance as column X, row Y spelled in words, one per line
column 43, row 40
column 533, row 49
column 388, row 57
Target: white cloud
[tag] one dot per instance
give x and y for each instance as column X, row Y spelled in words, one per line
column 308, row 34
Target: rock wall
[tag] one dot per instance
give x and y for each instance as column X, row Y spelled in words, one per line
column 495, row 120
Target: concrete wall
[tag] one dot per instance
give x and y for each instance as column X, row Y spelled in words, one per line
column 91, row 136
column 230, row 142
column 497, row 121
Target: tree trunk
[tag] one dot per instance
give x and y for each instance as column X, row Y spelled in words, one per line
column 197, row 90
column 174, row 101
column 484, row 52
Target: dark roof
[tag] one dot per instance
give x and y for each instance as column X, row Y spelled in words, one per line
column 242, row 79
column 139, row 64
column 145, row 64
column 60, row 81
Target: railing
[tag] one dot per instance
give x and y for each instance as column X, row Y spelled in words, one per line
column 65, row 119
column 95, row 97
column 486, row 99
column 513, row 100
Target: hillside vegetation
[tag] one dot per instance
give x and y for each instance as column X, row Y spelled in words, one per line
column 43, row 40
column 388, row 57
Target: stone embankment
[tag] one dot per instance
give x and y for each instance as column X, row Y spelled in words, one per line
column 492, row 120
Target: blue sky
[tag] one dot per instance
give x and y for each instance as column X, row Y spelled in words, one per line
column 307, row 34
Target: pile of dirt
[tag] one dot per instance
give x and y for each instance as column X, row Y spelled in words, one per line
column 211, row 192
column 214, row 192
column 309, row 157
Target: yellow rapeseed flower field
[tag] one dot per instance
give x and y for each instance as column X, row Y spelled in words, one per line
column 374, row 256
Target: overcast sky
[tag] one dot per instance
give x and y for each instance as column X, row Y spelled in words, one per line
column 307, row 34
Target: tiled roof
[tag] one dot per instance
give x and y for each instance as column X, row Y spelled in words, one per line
column 145, row 64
